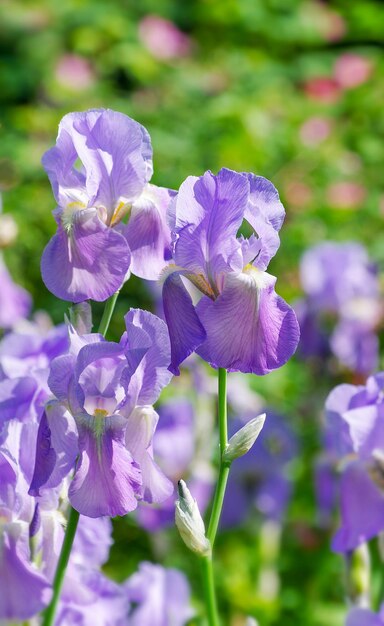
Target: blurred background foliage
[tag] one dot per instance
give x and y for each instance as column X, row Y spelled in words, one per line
column 289, row 89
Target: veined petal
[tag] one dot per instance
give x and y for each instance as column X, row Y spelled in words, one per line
column 116, row 154
column 265, row 213
column 90, row 261
column 208, row 211
column 148, row 234
column 106, row 478
column 249, row 327
column 185, row 329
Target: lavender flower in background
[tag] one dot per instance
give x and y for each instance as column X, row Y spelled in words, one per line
column 229, row 273
column 355, row 416
column 260, row 479
column 15, row 302
column 365, row 617
column 341, row 284
column 161, row 596
column 93, row 250
column 102, row 422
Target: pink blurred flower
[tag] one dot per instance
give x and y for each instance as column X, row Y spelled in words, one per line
column 297, row 194
column 351, row 70
column 74, row 72
column 346, row 195
column 332, row 25
column 315, row 130
column 162, row 38
column 323, row 89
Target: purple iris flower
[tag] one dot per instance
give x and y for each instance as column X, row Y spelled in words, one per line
column 102, row 422
column 161, row 596
column 341, row 286
column 15, row 302
column 260, row 478
column 177, row 453
column 18, row 576
column 239, row 323
column 365, row 617
column 93, row 249
column 25, row 357
column 355, row 416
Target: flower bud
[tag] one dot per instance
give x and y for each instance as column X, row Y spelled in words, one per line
column 190, row 523
column 80, row 316
column 243, row 440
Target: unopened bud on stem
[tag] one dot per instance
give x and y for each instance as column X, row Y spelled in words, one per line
column 190, row 523
column 243, row 440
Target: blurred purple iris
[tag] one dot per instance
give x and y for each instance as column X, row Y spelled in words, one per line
column 161, row 596
column 239, row 323
column 355, row 432
column 365, row 617
column 102, row 421
column 178, row 453
column 93, row 249
column 15, row 302
column 260, row 479
column 342, row 292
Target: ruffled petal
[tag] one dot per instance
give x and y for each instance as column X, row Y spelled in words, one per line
column 249, row 327
column 266, row 214
column 106, row 478
column 148, row 234
column 153, row 367
column 116, row 154
column 362, row 509
column 90, row 261
column 185, row 329
column 208, row 211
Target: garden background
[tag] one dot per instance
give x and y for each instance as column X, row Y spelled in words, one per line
column 291, row 90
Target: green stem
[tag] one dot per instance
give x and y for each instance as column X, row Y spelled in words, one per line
column 107, row 314
column 218, row 499
column 224, row 468
column 73, row 519
column 49, row 614
column 209, row 590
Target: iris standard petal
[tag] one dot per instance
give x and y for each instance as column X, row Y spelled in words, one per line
column 153, row 368
column 208, row 211
column 87, row 261
column 116, row 154
column 185, row 329
column 363, row 617
column 249, row 327
column 106, row 478
column 265, row 214
column 148, row 234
